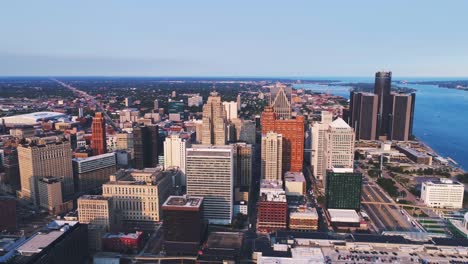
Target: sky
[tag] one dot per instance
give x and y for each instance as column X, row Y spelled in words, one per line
column 234, row 38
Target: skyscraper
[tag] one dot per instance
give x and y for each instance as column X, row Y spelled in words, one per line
column 98, row 131
column 339, row 141
column 174, row 154
column 364, row 108
column 214, row 121
column 293, row 134
column 242, row 164
column 146, row 142
column 402, row 117
column 343, row 189
column 41, row 159
column 280, row 100
column 210, row 173
column 239, row 104
column 272, row 153
column 231, row 110
column 319, row 130
column 382, row 88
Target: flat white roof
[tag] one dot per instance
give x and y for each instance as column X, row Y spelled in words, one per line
column 343, row 215
column 32, row 118
column 294, row 177
column 38, row 242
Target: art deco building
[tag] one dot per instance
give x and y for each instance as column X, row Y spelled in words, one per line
column 272, row 153
column 98, row 138
column 280, row 100
column 40, row 158
column 292, row 131
column 214, row 121
column 210, row 174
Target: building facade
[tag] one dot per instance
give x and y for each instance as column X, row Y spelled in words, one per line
column 339, row 142
column 319, row 129
column 272, row 156
column 242, row 164
column 272, row 207
column 98, row 138
column 363, row 108
column 146, row 146
column 293, row 134
column 231, row 110
column 343, row 189
column 210, row 174
column 214, row 121
column 443, row 194
column 90, row 173
column 41, row 159
column 174, row 154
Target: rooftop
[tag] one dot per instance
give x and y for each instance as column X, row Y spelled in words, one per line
column 339, row 123
column 33, row 118
column 94, row 197
column 225, row 240
column 38, row 242
column 135, row 235
column 184, row 201
column 343, row 215
column 294, row 177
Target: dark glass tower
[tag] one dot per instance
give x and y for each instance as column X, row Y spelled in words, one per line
column 343, row 190
column 146, row 149
column 383, row 84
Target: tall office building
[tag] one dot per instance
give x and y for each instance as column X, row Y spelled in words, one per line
column 242, row 164
column 402, row 117
column 156, row 105
column 382, row 88
column 41, row 159
column 272, row 156
column 146, row 146
column 319, row 130
column 244, row 130
column 343, row 189
column 47, row 193
column 183, row 224
column 90, row 173
column 98, row 138
column 214, row 121
column 364, row 108
column 238, row 101
column 231, row 110
column 128, row 101
column 174, row 154
column 339, row 141
column 280, row 100
column 293, row 134
column 210, row 173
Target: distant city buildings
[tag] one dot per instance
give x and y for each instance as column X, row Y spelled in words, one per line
column 210, row 174
column 231, row 109
column 195, row 100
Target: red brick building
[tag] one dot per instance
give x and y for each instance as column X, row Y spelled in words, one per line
column 98, row 131
column 130, row 242
column 272, row 216
column 293, row 138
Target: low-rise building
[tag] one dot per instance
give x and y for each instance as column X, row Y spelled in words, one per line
column 443, row 194
column 124, row 243
column 295, row 183
column 272, row 207
column 303, row 218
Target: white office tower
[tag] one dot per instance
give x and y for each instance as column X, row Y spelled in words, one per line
column 174, row 154
column 272, row 154
column 339, row 142
column 318, row 145
column 443, row 194
column 231, row 110
column 210, row 174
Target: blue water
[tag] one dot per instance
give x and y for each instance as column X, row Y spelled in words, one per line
column 441, row 116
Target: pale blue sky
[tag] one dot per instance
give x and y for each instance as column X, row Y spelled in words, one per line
column 234, row 38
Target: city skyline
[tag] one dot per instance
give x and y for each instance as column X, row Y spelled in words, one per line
column 226, row 39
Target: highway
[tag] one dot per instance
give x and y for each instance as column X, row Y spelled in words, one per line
column 91, row 102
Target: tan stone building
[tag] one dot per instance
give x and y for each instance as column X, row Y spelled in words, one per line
column 272, row 149
column 41, row 158
column 214, row 121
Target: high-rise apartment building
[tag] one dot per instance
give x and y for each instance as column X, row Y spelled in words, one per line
column 183, row 224
column 272, row 156
column 382, row 88
column 280, row 100
column 401, row 125
column 210, row 173
column 343, row 189
column 146, row 146
column 319, row 130
column 242, row 164
column 174, row 154
column 139, row 194
column 90, row 173
column 41, row 159
column 98, row 138
column 363, row 108
column 339, row 142
column 214, row 121
column 231, row 110
column 292, row 131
